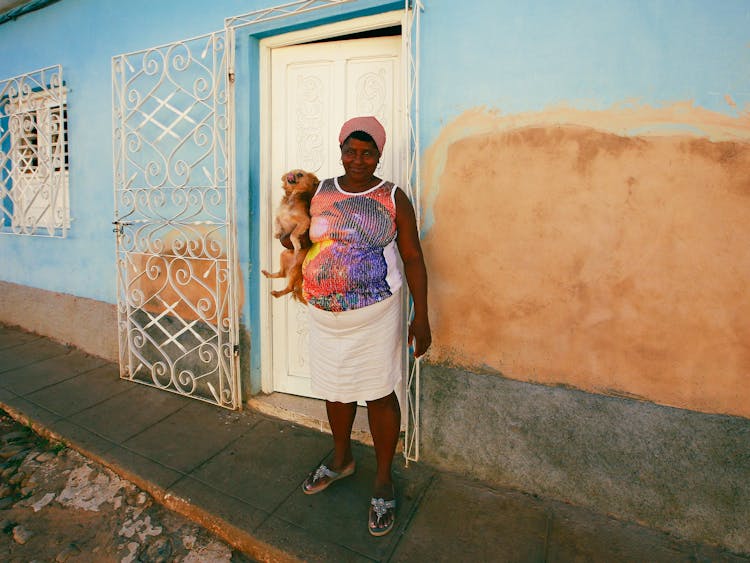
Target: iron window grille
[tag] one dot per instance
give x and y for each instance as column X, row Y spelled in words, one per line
column 34, row 198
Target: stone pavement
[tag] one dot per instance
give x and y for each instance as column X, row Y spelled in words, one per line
column 239, row 475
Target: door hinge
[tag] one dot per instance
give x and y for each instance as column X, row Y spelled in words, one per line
column 231, row 77
column 236, row 350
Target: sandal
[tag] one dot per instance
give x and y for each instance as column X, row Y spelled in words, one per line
column 322, row 477
column 379, row 510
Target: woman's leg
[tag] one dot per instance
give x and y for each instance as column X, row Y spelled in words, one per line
column 341, row 418
column 384, row 415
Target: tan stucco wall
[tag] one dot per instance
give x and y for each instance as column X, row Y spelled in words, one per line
column 185, row 271
column 608, row 251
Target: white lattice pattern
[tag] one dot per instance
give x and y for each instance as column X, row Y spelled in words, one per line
column 34, row 154
column 174, row 205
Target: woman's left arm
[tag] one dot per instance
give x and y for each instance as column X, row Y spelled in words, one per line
column 415, row 270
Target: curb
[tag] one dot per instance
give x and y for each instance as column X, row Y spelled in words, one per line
column 235, row 537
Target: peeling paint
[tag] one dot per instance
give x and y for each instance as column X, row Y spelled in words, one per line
column 565, row 250
column 626, row 118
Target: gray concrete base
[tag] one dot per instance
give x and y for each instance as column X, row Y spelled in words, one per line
column 87, row 324
column 676, row 470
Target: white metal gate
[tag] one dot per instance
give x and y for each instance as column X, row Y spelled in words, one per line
column 174, row 206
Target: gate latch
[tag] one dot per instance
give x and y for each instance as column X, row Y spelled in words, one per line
column 120, row 226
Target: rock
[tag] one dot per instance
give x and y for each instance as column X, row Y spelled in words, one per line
column 32, row 453
column 12, row 450
column 45, row 457
column 188, row 541
column 131, row 498
column 17, row 478
column 158, row 551
column 142, row 498
column 5, row 491
column 42, row 502
column 6, row 525
column 16, row 436
column 71, row 551
column 6, row 502
column 21, row 535
column 20, row 456
column 8, row 471
column 132, row 548
column 214, row 551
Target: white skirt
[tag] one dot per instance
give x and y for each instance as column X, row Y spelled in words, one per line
column 356, row 355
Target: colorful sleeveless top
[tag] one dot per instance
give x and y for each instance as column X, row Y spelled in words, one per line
column 353, row 260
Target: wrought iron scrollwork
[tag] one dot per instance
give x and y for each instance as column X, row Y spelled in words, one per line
column 172, row 197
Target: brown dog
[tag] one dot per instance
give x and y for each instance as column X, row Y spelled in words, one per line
column 291, row 226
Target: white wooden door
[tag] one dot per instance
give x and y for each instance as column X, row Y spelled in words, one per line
column 314, row 89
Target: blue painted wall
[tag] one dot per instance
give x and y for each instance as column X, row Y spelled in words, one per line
column 526, row 56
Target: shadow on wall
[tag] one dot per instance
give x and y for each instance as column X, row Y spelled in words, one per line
column 564, row 252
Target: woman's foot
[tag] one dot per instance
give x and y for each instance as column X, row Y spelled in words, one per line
column 382, row 514
column 323, row 476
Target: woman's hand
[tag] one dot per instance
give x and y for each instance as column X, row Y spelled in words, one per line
column 420, row 336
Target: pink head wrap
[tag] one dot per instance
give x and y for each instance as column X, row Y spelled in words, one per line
column 369, row 125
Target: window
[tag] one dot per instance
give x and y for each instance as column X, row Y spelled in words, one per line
column 34, row 154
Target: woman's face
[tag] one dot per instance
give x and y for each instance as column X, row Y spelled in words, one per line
column 360, row 158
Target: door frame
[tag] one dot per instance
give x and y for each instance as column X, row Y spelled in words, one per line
column 266, row 197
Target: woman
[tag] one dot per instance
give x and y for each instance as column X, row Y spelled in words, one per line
column 352, row 284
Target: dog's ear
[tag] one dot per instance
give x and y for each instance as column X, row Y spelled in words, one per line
column 314, row 182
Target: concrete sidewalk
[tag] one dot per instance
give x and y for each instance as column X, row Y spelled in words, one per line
column 239, row 474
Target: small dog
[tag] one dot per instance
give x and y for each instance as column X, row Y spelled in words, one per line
column 293, row 221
